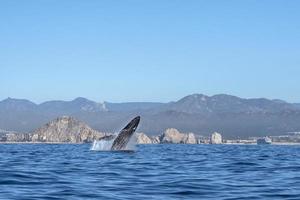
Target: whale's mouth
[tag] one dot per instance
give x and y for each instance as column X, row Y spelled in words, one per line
column 122, row 141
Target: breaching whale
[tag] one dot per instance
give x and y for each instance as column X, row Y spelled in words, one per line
column 124, row 136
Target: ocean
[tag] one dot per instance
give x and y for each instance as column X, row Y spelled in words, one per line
column 74, row 171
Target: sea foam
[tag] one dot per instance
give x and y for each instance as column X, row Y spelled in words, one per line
column 105, row 145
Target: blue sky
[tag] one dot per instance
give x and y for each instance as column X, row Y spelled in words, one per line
column 149, row 50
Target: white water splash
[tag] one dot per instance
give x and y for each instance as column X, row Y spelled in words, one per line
column 131, row 146
column 102, row 145
column 105, row 145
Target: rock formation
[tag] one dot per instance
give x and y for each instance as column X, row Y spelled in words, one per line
column 156, row 140
column 216, row 138
column 66, row 129
column 190, row 139
column 142, row 138
column 69, row 130
column 172, row 135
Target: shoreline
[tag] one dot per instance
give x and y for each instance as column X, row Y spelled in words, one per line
column 42, row 143
column 275, row 143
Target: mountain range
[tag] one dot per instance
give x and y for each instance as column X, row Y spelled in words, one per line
column 232, row 116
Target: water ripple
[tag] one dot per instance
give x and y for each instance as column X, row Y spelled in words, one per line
column 41, row 171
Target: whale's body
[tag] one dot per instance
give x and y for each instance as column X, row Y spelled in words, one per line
column 122, row 139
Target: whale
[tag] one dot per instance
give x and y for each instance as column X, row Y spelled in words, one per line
column 121, row 140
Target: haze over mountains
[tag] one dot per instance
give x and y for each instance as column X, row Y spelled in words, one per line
column 232, row 116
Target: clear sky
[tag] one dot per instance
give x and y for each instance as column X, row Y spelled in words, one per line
column 149, row 50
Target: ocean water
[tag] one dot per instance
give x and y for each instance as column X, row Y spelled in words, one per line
column 65, row 171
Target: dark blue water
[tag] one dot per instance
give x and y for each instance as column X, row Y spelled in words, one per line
column 41, row 171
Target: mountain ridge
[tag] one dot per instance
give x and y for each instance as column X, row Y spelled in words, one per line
column 231, row 115
column 83, row 100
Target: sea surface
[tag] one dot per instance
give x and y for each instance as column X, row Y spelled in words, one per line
column 67, row 171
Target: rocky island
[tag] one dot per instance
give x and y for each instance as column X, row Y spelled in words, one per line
column 67, row 129
column 61, row 130
column 170, row 136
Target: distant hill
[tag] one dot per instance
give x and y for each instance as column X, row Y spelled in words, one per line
column 77, row 105
column 199, row 103
column 232, row 116
column 65, row 129
column 297, row 105
column 60, row 130
column 131, row 106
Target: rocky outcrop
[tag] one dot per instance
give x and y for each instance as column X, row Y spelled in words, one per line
column 66, row 130
column 174, row 136
column 171, row 135
column 190, row 139
column 156, row 140
column 142, row 138
column 216, row 138
column 69, row 130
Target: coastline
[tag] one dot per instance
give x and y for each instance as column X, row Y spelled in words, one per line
column 274, row 143
column 42, row 143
